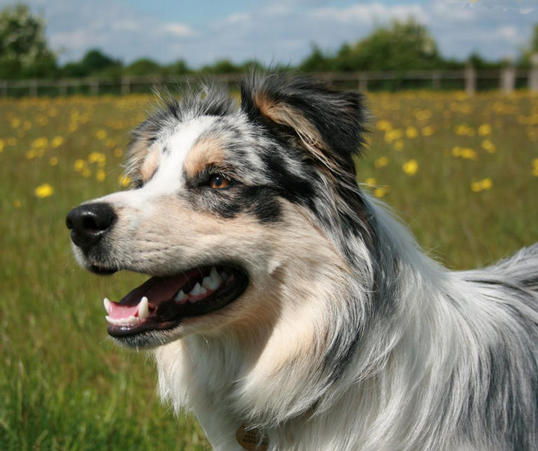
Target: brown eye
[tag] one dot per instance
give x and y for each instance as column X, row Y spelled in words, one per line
column 218, row 181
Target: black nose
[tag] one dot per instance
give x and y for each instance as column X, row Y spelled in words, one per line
column 88, row 223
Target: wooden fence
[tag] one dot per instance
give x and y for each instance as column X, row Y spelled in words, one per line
column 506, row 80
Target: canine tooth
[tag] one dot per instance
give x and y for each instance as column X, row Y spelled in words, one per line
column 212, row 281
column 196, row 290
column 106, row 303
column 143, row 310
column 181, row 297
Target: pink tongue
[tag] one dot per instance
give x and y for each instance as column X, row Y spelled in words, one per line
column 156, row 289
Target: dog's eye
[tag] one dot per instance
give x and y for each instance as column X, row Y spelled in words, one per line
column 218, row 181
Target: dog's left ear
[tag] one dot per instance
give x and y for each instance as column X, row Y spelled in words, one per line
column 304, row 112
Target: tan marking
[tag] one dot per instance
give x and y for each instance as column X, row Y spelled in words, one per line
column 287, row 115
column 205, row 151
column 150, row 164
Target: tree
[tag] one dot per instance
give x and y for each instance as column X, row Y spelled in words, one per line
column 532, row 49
column 143, row 66
column 94, row 62
column 23, row 47
column 401, row 46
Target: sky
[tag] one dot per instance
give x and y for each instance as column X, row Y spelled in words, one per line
column 273, row 31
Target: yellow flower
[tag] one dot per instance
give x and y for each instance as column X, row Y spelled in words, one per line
column 30, row 154
column 410, row 167
column 124, row 181
column 370, row 181
column 399, row 145
column 383, row 125
column 17, row 203
column 86, row 173
column 411, row 132
column 118, row 152
column 484, row 129
column 57, row 141
column 2, row 145
column 423, row 115
column 44, row 190
column 381, row 162
column 468, row 154
column 97, row 157
column 100, row 175
column 427, row 131
column 381, row 192
column 40, row 143
column 535, row 167
column 393, row 135
column 79, row 165
column 464, row 130
column 101, row 134
column 488, row 145
column 481, row 185
column 15, row 122
column 53, row 161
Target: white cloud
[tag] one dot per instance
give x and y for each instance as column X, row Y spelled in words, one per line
column 371, row 13
column 178, row 29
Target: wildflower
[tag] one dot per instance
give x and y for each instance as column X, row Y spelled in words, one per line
column 100, row 175
column 427, row 131
column 44, row 190
column 399, row 145
column 101, row 134
column 423, row 115
column 411, row 132
column 79, row 165
column 535, row 167
column 484, row 129
column 488, row 145
column 17, row 203
column 124, row 181
column 381, row 162
column 392, row 135
column 481, row 185
column 468, row 154
column 370, row 181
column 53, row 161
column 383, row 125
column 86, row 172
column 40, row 143
column 410, row 167
column 57, row 141
column 97, row 157
column 2, row 145
column 15, row 122
column 118, row 152
column 30, row 154
column 381, row 192
column 464, row 130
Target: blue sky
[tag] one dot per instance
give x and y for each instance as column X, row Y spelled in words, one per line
column 270, row 31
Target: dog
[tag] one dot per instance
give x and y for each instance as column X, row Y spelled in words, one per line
column 286, row 307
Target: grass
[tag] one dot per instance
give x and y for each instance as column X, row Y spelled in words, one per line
column 463, row 172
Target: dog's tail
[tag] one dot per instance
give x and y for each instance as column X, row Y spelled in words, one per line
column 521, row 268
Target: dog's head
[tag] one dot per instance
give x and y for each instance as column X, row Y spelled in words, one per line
column 235, row 213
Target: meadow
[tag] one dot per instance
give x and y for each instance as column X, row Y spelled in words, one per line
column 462, row 172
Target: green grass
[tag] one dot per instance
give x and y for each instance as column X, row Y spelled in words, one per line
column 64, row 385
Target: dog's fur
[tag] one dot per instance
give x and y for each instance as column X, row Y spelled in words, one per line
column 348, row 336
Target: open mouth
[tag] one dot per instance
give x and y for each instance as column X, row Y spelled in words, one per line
column 162, row 302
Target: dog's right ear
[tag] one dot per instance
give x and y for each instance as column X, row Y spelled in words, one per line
column 305, row 113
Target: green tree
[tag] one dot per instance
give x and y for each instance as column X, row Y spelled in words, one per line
column 143, row 66
column 23, row 47
column 532, row 49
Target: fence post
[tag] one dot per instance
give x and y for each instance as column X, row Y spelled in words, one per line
column 63, row 88
column 533, row 74
column 436, row 80
column 508, row 79
column 125, row 85
column 94, row 86
column 470, row 80
column 33, row 88
column 363, row 82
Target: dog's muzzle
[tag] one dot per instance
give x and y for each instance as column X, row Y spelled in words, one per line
column 89, row 223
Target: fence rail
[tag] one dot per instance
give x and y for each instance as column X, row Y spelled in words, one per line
column 469, row 79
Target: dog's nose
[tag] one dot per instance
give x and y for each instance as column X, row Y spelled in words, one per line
column 88, row 223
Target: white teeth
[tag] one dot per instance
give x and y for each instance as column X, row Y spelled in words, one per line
column 196, row 290
column 212, row 281
column 181, row 297
column 129, row 321
column 143, row 310
column 106, row 303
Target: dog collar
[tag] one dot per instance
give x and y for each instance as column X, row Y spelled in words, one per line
column 251, row 439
